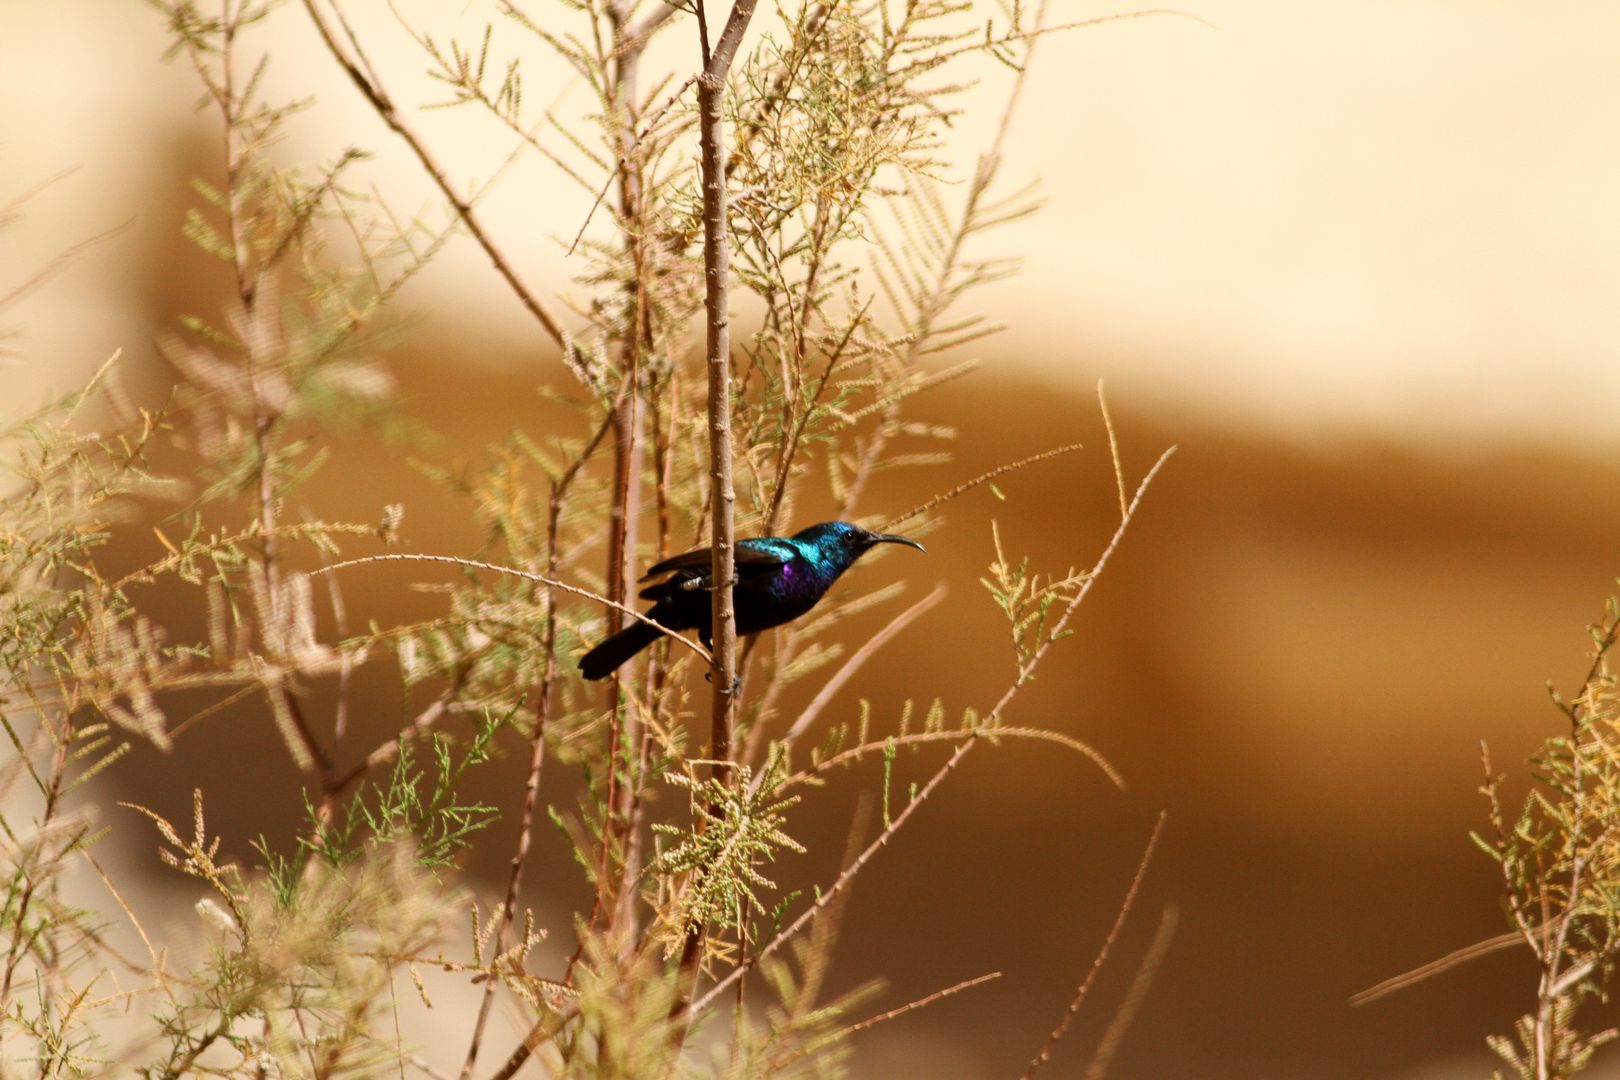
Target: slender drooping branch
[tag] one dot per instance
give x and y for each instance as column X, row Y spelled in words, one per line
column 830, row 688
column 511, row 571
column 969, row 740
column 366, row 80
column 1079, row 998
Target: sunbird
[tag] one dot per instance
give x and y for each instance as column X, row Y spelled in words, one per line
column 779, row 578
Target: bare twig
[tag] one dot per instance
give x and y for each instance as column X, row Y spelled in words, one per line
column 389, row 750
column 624, row 158
column 945, row 56
column 60, row 262
column 1435, row 967
column 983, row 478
column 1102, row 953
column 1085, row 588
column 1114, row 1034
column 370, row 86
column 916, row 738
column 794, row 430
column 965, row 984
column 340, row 624
column 857, row 659
column 1113, row 446
column 475, row 564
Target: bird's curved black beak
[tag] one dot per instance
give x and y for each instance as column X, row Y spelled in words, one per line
column 890, row 538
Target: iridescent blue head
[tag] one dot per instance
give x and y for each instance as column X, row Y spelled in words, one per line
column 835, row 545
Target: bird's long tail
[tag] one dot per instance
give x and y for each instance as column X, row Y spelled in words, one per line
column 603, row 660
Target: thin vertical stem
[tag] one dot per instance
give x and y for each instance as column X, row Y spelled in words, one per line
column 311, row 758
column 537, row 746
column 722, row 493
column 42, row 878
column 723, row 500
column 717, row 306
column 628, row 43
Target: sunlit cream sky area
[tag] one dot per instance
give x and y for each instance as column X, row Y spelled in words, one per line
column 1359, row 261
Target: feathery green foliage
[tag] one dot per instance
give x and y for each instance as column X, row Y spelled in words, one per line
column 1560, row 862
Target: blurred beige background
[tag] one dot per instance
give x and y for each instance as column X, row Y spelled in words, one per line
column 1361, row 262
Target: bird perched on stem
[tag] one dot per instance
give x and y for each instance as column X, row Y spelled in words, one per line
column 779, row 578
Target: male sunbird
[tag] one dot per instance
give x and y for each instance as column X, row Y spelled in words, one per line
column 779, row 578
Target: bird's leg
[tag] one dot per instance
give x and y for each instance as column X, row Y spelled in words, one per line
column 708, row 676
column 708, row 643
column 736, row 682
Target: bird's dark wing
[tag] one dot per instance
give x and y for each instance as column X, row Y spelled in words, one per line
column 752, row 556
